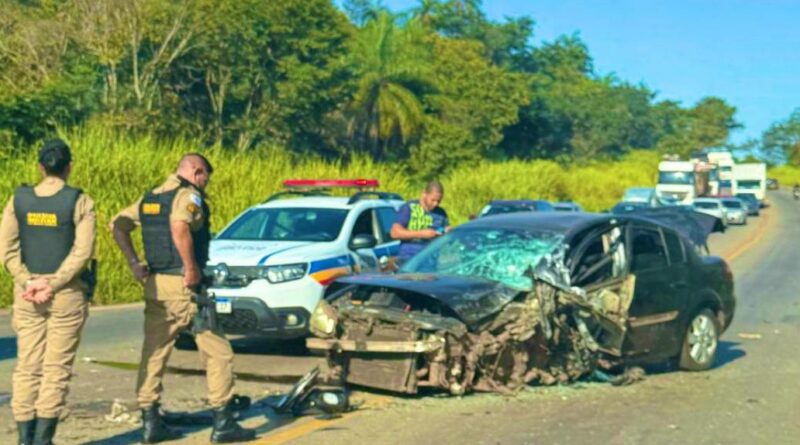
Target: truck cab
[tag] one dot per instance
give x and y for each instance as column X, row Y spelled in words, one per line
column 750, row 178
column 680, row 181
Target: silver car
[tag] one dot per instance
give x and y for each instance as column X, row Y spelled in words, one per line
column 736, row 210
column 713, row 207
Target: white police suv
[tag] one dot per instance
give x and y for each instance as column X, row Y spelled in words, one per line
column 271, row 264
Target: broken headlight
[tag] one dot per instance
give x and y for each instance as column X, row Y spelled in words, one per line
column 283, row 273
column 323, row 321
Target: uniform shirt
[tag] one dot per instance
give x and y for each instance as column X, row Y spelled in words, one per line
column 186, row 207
column 67, row 275
column 413, row 216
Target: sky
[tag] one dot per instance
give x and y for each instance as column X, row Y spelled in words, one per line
column 744, row 51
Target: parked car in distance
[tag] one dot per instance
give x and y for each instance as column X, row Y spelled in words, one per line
column 735, row 210
column 713, row 207
column 628, row 207
column 773, row 184
column 750, row 200
column 500, row 206
column 567, row 206
column 641, row 194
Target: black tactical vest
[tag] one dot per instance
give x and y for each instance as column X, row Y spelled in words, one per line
column 46, row 227
column 159, row 249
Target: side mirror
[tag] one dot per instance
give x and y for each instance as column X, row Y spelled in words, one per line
column 363, row 241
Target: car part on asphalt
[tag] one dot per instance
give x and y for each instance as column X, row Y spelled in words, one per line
column 307, row 398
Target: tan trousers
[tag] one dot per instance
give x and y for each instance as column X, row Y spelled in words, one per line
column 163, row 320
column 48, row 335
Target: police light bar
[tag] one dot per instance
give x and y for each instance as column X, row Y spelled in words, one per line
column 329, row 183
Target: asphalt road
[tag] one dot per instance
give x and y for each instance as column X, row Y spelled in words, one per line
column 747, row 398
column 750, row 397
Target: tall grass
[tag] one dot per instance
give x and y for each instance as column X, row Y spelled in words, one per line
column 116, row 169
column 786, row 175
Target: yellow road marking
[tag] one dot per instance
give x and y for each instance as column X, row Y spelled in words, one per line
column 760, row 231
column 302, row 428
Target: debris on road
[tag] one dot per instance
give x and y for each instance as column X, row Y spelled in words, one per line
column 306, row 397
column 120, row 413
column 749, row 336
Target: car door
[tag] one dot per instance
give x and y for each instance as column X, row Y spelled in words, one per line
column 366, row 224
column 656, row 303
column 387, row 248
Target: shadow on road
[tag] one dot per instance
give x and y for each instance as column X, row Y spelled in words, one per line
column 8, row 348
column 192, row 423
column 728, row 352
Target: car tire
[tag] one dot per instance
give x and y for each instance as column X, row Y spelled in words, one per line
column 700, row 342
column 185, row 342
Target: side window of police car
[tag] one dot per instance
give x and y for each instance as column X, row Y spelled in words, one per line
column 675, row 248
column 386, row 217
column 648, row 249
column 364, row 225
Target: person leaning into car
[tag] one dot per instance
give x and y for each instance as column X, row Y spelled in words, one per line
column 47, row 239
column 175, row 229
column 420, row 221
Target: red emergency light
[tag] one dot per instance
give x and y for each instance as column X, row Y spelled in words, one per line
column 329, row 183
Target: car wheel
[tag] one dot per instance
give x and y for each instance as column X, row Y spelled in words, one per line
column 700, row 342
column 185, row 342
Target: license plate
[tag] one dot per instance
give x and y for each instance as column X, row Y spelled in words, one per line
column 224, row 306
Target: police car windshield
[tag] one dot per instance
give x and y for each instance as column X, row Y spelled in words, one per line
column 287, row 224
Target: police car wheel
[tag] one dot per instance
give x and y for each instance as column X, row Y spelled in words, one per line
column 185, row 342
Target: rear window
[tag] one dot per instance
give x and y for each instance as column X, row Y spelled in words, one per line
column 732, row 204
column 706, row 205
column 674, row 247
column 287, row 224
column 648, row 249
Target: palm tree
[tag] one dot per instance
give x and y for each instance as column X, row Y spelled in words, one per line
column 393, row 65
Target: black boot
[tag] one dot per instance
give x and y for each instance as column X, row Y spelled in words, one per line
column 44, row 431
column 154, row 429
column 26, row 430
column 226, row 429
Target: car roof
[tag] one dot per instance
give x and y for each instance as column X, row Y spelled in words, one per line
column 708, row 199
column 517, row 201
column 564, row 223
column 327, row 202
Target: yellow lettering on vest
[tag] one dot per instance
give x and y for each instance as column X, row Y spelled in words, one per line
column 42, row 219
column 152, row 208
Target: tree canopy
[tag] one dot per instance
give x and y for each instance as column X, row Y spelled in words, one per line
column 437, row 85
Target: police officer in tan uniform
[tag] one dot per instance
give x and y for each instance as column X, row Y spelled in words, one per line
column 47, row 238
column 175, row 229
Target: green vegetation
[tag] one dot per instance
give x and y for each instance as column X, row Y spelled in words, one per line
column 116, row 177
column 301, row 88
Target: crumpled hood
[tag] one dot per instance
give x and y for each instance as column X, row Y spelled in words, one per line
column 471, row 298
column 255, row 253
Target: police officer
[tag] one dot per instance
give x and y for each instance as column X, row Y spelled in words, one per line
column 420, row 221
column 47, row 238
column 175, row 229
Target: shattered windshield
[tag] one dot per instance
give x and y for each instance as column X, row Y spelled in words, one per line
column 496, row 254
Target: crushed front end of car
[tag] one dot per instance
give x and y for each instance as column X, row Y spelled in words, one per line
column 403, row 332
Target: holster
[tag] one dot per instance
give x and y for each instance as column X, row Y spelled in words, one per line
column 206, row 317
column 89, row 277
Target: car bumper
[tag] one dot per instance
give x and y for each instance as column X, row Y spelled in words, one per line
column 252, row 317
column 739, row 218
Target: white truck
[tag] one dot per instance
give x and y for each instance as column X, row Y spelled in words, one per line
column 682, row 181
column 750, row 178
column 724, row 161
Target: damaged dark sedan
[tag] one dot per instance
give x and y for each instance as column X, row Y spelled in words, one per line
column 510, row 300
